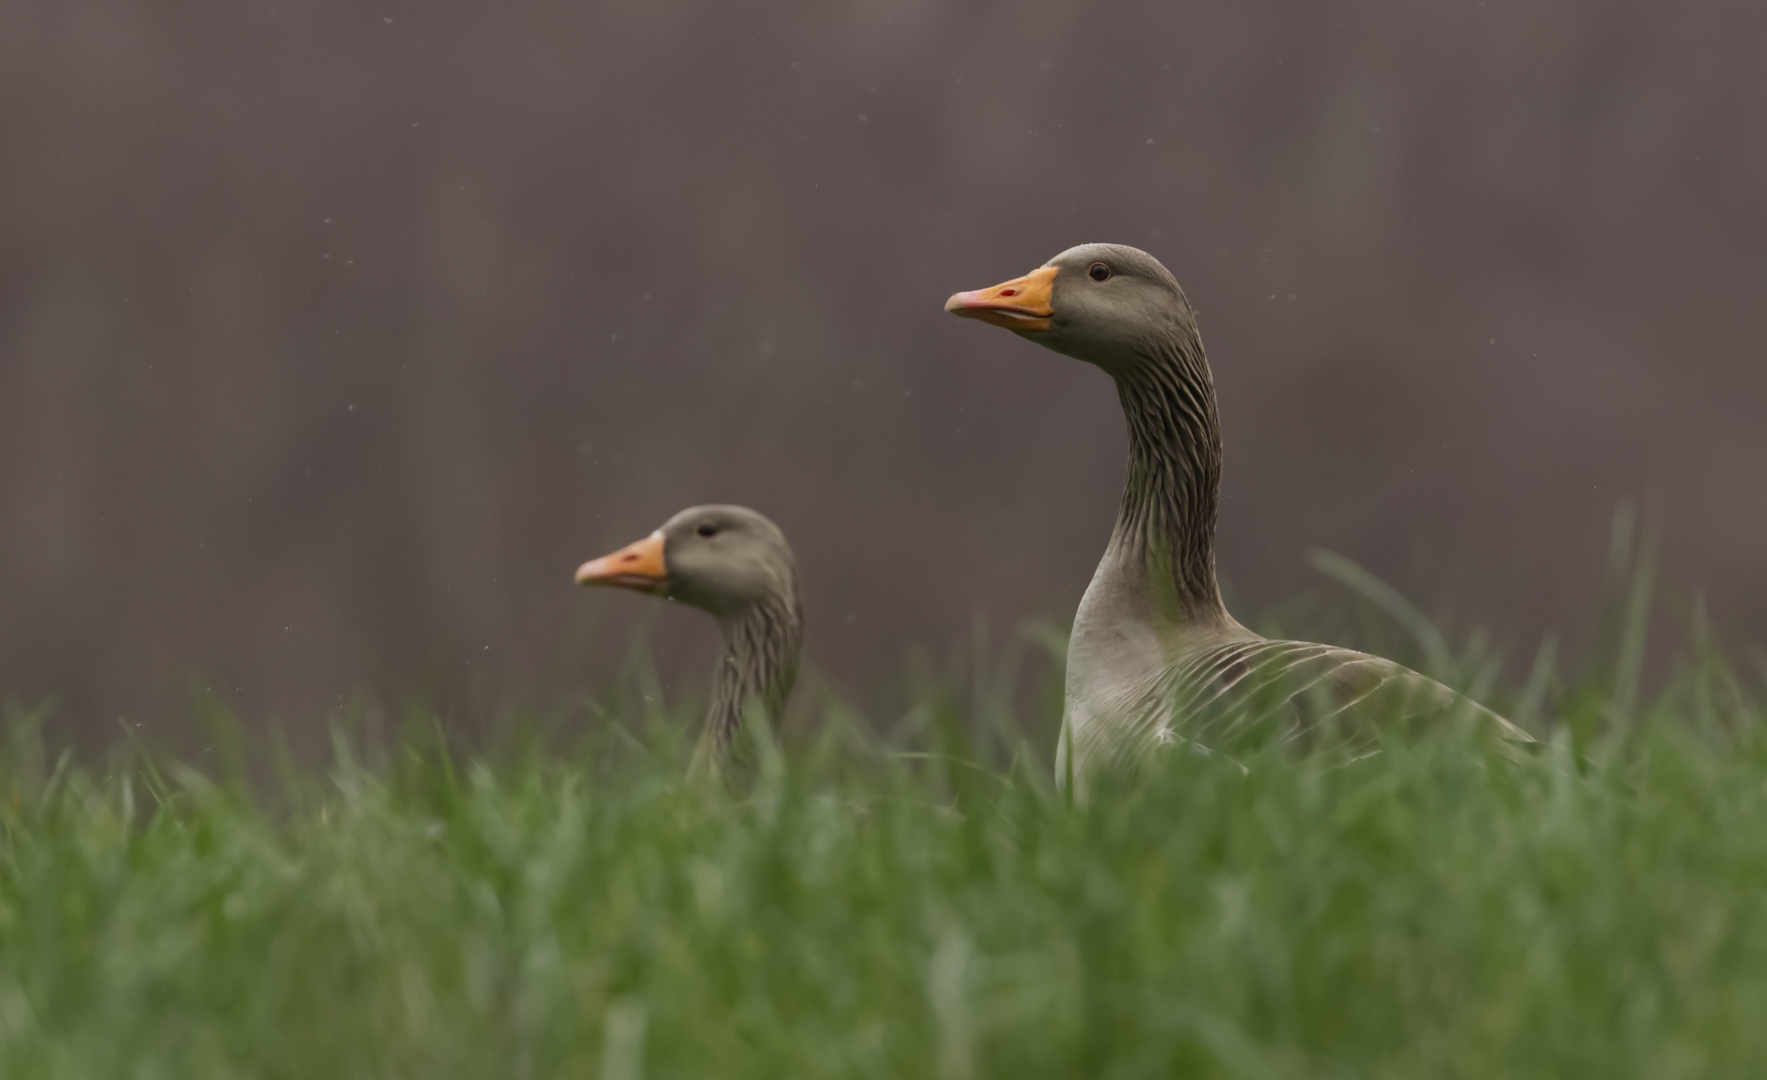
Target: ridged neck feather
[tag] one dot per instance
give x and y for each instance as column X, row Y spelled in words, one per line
column 1166, row 523
column 757, row 664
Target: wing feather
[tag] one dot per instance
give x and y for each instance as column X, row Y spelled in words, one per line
column 1298, row 693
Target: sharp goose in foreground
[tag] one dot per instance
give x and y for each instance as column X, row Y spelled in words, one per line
column 735, row 565
column 1155, row 657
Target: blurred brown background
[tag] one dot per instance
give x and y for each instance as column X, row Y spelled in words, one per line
column 334, row 335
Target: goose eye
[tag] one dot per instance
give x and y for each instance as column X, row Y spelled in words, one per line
column 1098, row 271
column 707, row 530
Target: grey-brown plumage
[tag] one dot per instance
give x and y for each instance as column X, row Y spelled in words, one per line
column 734, row 564
column 1155, row 657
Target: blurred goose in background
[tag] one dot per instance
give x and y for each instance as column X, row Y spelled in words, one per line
column 1155, row 657
column 735, row 565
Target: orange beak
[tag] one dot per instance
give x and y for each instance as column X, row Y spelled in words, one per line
column 1019, row 304
column 635, row 566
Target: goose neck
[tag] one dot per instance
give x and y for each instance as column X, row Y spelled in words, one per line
column 757, row 664
column 1165, row 527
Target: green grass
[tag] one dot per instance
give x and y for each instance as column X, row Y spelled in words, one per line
column 916, row 903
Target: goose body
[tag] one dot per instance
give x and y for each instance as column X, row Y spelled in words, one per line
column 735, row 565
column 1155, row 657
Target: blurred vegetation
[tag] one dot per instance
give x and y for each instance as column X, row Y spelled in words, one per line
column 902, row 891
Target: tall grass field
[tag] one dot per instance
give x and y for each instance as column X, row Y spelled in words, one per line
column 910, row 896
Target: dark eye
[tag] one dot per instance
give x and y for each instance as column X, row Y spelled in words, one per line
column 708, row 529
column 1098, row 271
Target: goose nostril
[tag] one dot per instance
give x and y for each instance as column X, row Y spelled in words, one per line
column 630, row 558
column 1008, row 292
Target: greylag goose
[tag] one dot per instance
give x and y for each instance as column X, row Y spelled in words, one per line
column 735, row 565
column 1155, row 657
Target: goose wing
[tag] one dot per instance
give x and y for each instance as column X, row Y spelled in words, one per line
column 1306, row 694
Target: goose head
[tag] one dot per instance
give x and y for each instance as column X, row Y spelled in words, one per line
column 725, row 560
column 1108, row 304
